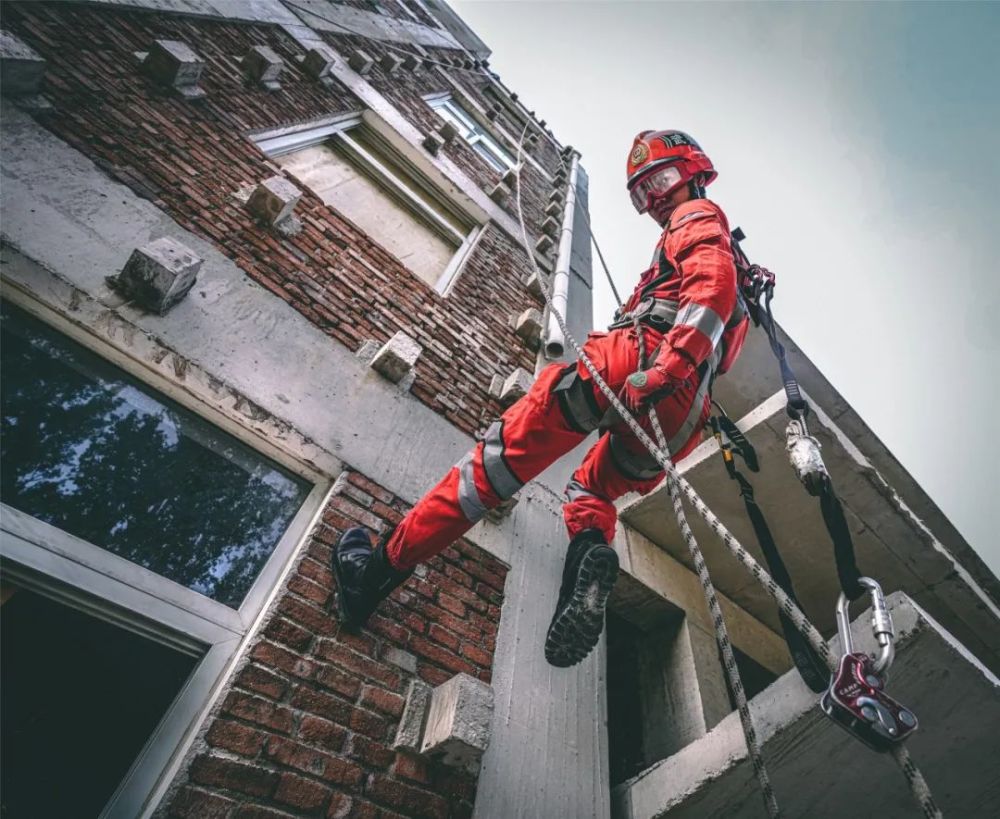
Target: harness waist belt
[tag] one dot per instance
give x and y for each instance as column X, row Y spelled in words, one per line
column 658, row 313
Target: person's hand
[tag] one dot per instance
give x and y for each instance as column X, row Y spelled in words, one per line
column 671, row 371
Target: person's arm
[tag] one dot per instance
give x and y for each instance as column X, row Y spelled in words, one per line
column 698, row 245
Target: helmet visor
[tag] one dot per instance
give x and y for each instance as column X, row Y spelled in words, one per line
column 659, row 183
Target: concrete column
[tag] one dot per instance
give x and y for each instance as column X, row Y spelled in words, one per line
column 710, row 675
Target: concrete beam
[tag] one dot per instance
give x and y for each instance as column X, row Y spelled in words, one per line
column 891, row 545
column 818, row 770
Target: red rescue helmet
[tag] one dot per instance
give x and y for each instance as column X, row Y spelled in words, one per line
column 662, row 161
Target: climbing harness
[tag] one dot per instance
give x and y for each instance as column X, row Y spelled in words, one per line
column 678, row 486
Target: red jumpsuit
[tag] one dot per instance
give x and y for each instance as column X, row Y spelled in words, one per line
column 693, row 270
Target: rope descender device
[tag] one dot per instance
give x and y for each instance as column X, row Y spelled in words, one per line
column 856, row 699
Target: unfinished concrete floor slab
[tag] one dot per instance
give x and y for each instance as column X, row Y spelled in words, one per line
column 820, row 772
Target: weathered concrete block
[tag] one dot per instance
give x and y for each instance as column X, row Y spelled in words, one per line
column 534, row 285
column 410, row 62
column 528, row 326
column 554, row 209
column 174, row 64
column 158, row 275
column 389, row 63
column 433, row 143
column 557, row 196
column 551, row 226
column 361, row 62
column 458, row 722
column 263, row 66
column 515, row 386
column 500, row 193
column 397, row 357
column 273, row 200
column 544, row 243
column 318, row 62
column 493, row 113
column 400, row 659
column 509, row 177
column 21, row 67
column 410, row 734
column 447, row 132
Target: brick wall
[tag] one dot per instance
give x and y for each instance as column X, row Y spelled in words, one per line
column 190, row 159
column 306, row 729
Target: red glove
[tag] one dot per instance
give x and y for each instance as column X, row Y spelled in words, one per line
column 671, row 371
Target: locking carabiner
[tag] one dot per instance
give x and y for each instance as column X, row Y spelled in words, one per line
column 881, row 622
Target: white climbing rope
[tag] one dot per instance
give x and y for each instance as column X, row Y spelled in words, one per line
column 677, row 486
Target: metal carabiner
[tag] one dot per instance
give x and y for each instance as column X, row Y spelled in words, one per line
column 881, row 622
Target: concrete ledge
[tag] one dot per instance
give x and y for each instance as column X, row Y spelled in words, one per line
column 818, row 770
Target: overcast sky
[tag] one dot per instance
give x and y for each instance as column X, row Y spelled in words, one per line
column 857, row 145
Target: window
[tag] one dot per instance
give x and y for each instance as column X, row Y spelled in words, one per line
column 133, row 525
column 352, row 168
column 473, row 133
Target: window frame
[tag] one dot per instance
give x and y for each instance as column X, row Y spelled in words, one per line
column 480, row 140
column 337, row 129
column 85, row 576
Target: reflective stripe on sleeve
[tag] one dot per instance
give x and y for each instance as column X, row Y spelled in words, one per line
column 504, row 482
column 702, row 318
column 468, row 496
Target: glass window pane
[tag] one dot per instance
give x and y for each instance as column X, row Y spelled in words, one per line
column 491, row 158
column 95, row 452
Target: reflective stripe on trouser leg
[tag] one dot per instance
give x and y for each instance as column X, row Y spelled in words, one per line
column 531, row 435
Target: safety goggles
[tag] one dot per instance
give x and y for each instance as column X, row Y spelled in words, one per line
column 658, row 183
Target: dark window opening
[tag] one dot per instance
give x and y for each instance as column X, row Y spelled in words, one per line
column 79, row 699
column 625, row 718
column 90, row 449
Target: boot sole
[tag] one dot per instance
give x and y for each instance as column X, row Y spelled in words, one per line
column 577, row 628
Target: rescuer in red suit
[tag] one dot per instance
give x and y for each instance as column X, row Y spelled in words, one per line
column 694, row 324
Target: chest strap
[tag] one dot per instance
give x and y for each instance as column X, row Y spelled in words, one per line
column 658, row 313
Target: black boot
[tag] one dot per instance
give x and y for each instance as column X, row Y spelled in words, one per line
column 588, row 577
column 364, row 576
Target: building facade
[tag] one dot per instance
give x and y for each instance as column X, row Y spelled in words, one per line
column 264, row 279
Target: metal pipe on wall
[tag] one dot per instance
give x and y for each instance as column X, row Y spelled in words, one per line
column 555, row 343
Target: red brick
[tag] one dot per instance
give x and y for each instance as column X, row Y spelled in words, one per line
column 336, row 680
column 194, row 803
column 432, row 674
column 384, row 701
column 282, row 659
column 310, row 761
column 478, row 655
column 368, row 723
column 443, row 636
column 298, row 792
column 262, row 681
column 412, row 767
column 235, row 776
column 307, row 615
column 320, row 704
column 259, row 711
column 407, row 798
column 370, row 487
column 315, row 730
column 449, row 603
column 289, row 634
column 361, row 643
column 233, row 736
column 372, row 753
column 304, row 587
column 387, row 513
column 355, row 512
column 441, row 656
column 317, row 572
column 389, row 629
column 351, row 661
column 364, row 810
